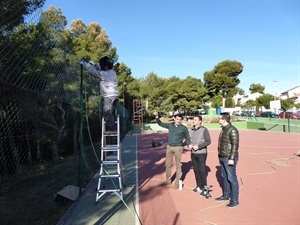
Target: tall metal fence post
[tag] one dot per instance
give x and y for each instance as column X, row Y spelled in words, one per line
column 81, row 128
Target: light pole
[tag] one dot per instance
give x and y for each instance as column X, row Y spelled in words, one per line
column 276, row 107
column 275, row 81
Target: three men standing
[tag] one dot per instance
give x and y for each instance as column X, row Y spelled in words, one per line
column 197, row 139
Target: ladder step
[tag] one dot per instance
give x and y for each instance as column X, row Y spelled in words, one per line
column 113, row 151
column 104, row 135
column 110, row 175
column 113, row 145
column 110, row 162
column 110, row 134
column 116, row 147
column 111, row 157
column 111, row 190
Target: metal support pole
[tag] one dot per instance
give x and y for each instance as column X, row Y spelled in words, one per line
column 124, row 102
column 80, row 128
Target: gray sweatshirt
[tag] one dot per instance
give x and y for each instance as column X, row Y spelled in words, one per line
column 200, row 136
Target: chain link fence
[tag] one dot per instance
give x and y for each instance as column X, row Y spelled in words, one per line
column 40, row 114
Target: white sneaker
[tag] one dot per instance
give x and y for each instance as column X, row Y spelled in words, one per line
column 197, row 189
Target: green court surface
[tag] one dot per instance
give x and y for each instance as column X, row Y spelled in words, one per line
column 273, row 124
column 252, row 123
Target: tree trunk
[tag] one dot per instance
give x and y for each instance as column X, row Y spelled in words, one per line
column 54, row 149
column 223, row 103
column 28, row 149
column 75, row 137
column 38, row 151
column 14, row 149
column 3, row 160
column 59, row 133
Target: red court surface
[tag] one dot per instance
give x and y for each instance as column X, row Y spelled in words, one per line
column 268, row 173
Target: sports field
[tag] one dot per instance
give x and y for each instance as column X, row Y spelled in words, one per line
column 268, row 171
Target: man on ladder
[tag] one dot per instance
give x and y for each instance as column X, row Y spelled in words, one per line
column 110, row 165
column 109, row 89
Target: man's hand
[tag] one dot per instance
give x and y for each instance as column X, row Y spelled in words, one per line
column 97, row 66
column 83, row 61
column 195, row 147
column 230, row 162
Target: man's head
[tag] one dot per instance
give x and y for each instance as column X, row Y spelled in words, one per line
column 178, row 119
column 224, row 118
column 106, row 63
column 197, row 121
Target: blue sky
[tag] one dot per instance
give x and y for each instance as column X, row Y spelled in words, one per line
column 189, row 37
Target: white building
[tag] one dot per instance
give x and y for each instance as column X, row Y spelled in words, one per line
column 242, row 99
column 293, row 93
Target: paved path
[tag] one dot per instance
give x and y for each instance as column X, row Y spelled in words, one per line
column 109, row 209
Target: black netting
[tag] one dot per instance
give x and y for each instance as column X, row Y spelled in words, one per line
column 40, row 114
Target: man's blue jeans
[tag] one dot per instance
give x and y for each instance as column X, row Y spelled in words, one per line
column 230, row 182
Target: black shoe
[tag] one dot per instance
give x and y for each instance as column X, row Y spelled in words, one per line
column 196, row 189
column 232, row 204
column 205, row 193
column 221, row 199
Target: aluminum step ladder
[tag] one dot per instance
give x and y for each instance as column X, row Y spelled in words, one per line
column 111, row 175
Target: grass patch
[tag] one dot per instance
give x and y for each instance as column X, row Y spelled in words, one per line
column 29, row 198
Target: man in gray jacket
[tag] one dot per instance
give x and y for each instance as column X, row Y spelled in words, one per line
column 200, row 139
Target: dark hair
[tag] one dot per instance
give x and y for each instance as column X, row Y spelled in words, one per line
column 200, row 117
column 106, row 62
column 225, row 116
column 178, row 115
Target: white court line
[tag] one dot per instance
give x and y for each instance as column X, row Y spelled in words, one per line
column 136, row 201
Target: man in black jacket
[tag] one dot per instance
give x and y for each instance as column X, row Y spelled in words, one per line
column 228, row 157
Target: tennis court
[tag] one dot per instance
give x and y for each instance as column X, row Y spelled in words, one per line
column 268, row 172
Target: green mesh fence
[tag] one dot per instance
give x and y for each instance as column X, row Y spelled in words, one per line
column 40, row 115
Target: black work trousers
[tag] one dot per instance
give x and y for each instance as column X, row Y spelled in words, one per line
column 199, row 167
